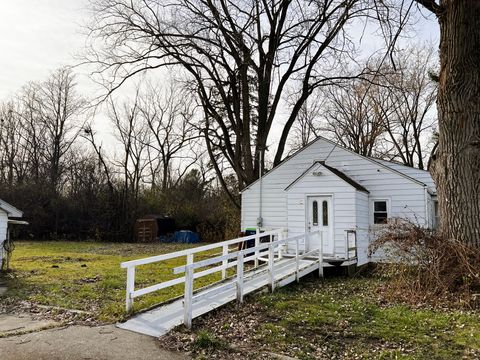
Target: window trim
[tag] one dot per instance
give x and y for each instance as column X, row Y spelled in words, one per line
column 372, row 210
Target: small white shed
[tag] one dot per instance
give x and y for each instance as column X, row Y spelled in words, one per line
column 7, row 213
column 343, row 194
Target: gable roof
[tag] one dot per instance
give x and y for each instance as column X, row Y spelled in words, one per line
column 373, row 160
column 419, row 174
column 333, row 170
column 11, row 210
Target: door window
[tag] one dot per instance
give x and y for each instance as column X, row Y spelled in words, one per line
column 315, row 213
column 325, row 213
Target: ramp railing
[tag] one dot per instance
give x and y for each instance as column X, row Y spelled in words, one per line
column 263, row 255
column 189, row 254
column 238, row 260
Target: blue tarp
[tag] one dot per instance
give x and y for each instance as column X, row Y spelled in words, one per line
column 186, row 237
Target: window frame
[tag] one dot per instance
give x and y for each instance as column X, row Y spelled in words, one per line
column 372, row 209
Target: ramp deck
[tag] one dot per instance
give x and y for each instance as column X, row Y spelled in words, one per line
column 159, row 321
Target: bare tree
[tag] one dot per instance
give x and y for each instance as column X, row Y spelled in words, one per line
column 133, row 137
column 168, row 113
column 387, row 113
column 242, row 59
column 308, row 124
column 13, row 156
column 51, row 113
column 33, row 130
column 405, row 103
column 351, row 117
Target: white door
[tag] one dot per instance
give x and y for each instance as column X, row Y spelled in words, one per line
column 320, row 217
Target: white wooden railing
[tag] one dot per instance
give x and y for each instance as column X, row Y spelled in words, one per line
column 239, row 259
column 132, row 293
column 275, row 249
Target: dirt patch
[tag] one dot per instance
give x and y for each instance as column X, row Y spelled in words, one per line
column 333, row 319
column 88, row 280
column 231, row 334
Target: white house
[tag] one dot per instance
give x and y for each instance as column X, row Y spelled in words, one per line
column 347, row 196
column 7, row 212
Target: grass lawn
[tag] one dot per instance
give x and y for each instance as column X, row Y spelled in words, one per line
column 336, row 319
column 87, row 275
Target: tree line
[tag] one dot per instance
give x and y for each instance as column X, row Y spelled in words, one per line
column 55, row 167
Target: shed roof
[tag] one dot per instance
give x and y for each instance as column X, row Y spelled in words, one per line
column 333, row 170
column 11, row 210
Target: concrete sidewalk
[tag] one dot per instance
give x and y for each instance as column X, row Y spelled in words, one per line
column 83, row 343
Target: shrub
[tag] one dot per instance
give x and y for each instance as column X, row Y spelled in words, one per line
column 423, row 266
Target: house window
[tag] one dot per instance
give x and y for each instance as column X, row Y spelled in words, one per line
column 380, row 212
column 315, row 213
column 325, row 213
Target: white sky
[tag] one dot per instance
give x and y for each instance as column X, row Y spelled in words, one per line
column 38, row 36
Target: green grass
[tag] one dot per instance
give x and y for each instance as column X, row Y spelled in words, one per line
column 87, row 275
column 337, row 318
column 345, row 315
column 205, row 340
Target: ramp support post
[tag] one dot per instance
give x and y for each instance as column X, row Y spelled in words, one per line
column 271, row 268
column 320, row 256
column 297, row 260
column 130, row 288
column 187, row 301
column 240, row 277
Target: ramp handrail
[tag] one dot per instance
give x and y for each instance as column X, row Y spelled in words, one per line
column 131, row 265
column 241, row 257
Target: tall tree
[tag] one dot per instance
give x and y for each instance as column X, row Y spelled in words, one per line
column 351, row 117
column 168, row 113
column 456, row 164
column 307, row 126
column 243, row 58
column 404, row 104
column 387, row 113
column 59, row 109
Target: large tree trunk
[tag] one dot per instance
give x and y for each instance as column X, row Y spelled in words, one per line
column 456, row 168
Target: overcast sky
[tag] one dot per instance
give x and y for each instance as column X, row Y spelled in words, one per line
column 38, row 36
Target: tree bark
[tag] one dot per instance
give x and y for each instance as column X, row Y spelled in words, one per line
column 456, row 167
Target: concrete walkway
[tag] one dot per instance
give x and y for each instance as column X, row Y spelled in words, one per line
column 11, row 324
column 84, row 343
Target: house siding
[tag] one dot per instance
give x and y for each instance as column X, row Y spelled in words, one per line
column 343, row 205
column 3, row 231
column 407, row 197
column 362, row 228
